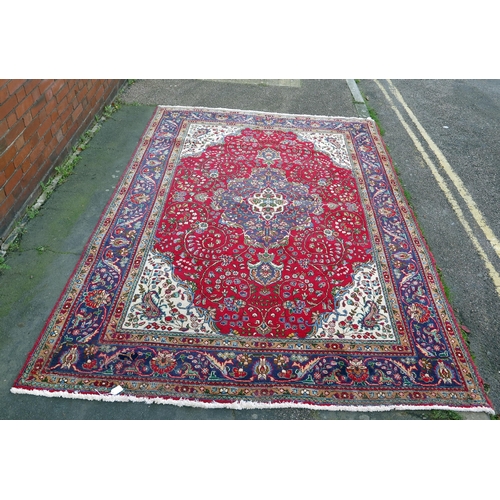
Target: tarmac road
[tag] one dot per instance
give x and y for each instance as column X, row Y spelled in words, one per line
column 455, row 126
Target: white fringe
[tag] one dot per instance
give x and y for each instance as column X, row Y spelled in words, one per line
column 238, row 405
column 275, row 113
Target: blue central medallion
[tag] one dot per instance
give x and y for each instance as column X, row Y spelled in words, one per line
column 266, row 206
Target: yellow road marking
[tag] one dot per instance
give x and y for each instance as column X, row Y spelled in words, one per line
column 449, row 195
column 464, row 193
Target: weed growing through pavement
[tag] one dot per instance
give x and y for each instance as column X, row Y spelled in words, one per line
column 32, row 212
column 446, row 288
column 373, row 114
column 15, row 246
column 3, row 265
column 444, row 415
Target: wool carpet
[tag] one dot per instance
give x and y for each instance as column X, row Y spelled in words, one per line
column 256, row 260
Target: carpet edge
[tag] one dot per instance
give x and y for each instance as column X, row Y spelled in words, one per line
column 263, row 113
column 239, row 405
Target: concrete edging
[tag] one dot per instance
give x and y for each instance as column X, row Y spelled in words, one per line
column 359, row 102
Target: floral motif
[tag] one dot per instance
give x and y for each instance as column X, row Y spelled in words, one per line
column 262, row 369
column 444, row 373
column 361, row 310
column 267, row 203
column 357, row 371
column 69, row 358
column 419, row 312
column 265, row 272
column 163, row 362
column 97, row 298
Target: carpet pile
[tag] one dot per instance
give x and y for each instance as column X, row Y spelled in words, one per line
column 256, row 260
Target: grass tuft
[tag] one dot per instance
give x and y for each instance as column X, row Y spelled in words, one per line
column 374, row 116
column 3, row 265
column 444, row 415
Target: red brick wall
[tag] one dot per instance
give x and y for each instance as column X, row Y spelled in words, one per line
column 40, row 121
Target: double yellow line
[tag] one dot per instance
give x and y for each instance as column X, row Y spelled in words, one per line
column 454, row 178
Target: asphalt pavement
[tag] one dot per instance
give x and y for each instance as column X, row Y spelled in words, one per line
column 50, row 247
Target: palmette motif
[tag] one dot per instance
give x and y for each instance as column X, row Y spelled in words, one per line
column 251, row 258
